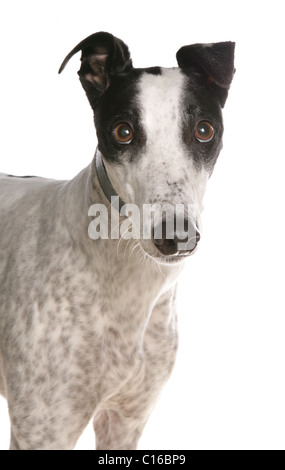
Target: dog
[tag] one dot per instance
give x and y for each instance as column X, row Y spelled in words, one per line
column 88, row 323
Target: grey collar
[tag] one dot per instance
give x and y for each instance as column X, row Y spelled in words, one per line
column 105, row 182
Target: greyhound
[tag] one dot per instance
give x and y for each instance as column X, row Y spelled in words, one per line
column 88, row 325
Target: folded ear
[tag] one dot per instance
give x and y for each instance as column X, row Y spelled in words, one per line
column 103, row 56
column 215, row 61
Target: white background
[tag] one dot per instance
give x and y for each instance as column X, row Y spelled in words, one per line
column 228, row 387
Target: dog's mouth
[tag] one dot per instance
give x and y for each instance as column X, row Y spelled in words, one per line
column 175, row 259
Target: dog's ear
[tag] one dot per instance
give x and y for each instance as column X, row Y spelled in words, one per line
column 103, row 56
column 215, row 61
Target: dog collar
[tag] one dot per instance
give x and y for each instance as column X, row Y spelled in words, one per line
column 106, row 184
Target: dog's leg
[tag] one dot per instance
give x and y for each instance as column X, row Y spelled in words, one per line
column 46, row 436
column 57, row 425
column 120, row 424
column 13, row 442
column 117, row 431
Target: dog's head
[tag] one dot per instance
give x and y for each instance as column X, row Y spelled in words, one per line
column 159, row 132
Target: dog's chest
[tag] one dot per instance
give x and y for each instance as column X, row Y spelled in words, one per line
column 95, row 337
column 132, row 326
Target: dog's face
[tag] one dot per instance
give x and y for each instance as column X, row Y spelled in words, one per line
column 159, row 130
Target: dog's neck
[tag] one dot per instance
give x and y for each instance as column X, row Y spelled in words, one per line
column 105, row 182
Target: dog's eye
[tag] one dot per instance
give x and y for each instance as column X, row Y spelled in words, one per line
column 123, row 133
column 204, row 132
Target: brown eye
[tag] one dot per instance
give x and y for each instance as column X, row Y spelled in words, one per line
column 204, row 132
column 123, row 133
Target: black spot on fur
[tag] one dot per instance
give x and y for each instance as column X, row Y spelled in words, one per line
column 15, row 176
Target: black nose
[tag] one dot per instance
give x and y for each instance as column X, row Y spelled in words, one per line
column 172, row 240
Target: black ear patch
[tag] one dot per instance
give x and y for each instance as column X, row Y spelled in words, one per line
column 215, row 61
column 103, row 56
